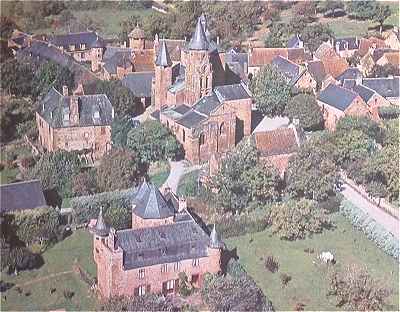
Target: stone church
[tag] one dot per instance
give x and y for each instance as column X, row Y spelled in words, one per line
column 196, row 100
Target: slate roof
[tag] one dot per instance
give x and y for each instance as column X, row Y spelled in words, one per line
column 294, row 41
column 207, row 104
column 352, row 43
column 232, row 92
column 110, row 51
column 119, row 59
column 170, row 243
column 139, row 83
column 199, row 39
column 163, row 58
column 280, row 141
column 54, row 106
column 363, row 91
column 21, row 196
column 150, row 203
column 337, row 96
column 289, row 69
column 349, row 73
column 89, row 38
column 176, row 112
column 317, row 70
column 191, row 119
column 386, row 87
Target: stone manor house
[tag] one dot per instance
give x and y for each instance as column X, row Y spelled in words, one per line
column 164, row 241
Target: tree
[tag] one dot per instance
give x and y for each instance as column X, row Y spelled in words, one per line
column 7, row 26
column 383, row 71
column 354, row 59
column 120, row 128
column 278, row 36
column 148, row 302
column 361, row 10
column 84, row 183
column 364, row 124
column 312, row 173
column 55, row 171
column 120, row 169
column 305, row 9
column 355, row 289
column 298, row 219
column 271, row 91
column 50, row 74
column 123, row 100
column 152, row 142
column 381, row 13
column 19, row 77
column 305, row 108
column 314, row 35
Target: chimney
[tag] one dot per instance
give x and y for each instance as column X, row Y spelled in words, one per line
column 217, row 40
column 74, row 110
column 111, row 239
column 182, row 205
column 65, row 91
column 337, row 47
column 124, row 44
column 358, row 79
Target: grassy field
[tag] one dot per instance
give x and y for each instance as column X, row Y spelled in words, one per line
column 59, row 258
column 188, row 184
column 8, row 175
column 159, row 172
column 309, row 283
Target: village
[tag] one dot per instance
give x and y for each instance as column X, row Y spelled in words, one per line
column 190, row 156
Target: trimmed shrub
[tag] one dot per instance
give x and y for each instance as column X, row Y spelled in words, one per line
column 116, row 207
column 374, row 231
column 271, row 264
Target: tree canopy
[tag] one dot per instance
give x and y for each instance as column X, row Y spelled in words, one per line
column 271, row 91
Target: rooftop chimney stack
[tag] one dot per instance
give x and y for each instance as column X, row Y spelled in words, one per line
column 65, row 91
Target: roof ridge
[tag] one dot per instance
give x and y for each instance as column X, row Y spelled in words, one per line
column 20, row 182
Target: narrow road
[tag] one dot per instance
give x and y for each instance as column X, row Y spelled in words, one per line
column 390, row 223
column 178, row 170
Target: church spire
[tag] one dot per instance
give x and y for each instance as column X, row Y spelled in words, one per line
column 101, row 228
column 199, row 40
column 163, row 58
column 214, row 239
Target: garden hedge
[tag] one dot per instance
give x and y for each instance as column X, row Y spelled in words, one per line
column 374, row 231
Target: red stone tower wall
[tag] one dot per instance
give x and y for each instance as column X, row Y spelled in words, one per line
column 163, row 80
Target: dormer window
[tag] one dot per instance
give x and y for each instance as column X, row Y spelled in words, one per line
column 96, row 115
column 71, row 47
column 83, row 46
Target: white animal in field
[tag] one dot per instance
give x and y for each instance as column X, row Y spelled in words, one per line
column 326, row 257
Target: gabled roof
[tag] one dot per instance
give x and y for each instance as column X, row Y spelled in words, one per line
column 386, row 87
column 268, row 124
column 199, row 39
column 367, row 43
column 110, row 51
column 54, row 106
column 163, row 58
column 264, row 56
column 191, row 119
column 232, row 92
column 294, row 42
column 21, row 196
column 317, row 70
column 139, row 83
column 349, row 73
column 207, row 104
column 290, row 70
column 89, row 38
column 119, row 59
column 276, row 142
column 337, row 97
column 150, row 203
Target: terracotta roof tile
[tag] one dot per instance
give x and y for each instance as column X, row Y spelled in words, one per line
column 366, row 43
column 276, row 142
column 264, row 56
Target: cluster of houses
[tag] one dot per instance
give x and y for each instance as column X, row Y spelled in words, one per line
column 200, row 92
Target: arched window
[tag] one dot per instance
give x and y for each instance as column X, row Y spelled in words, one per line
column 222, row 129
column 183, row 135
column 202, row 139
column 167, row 124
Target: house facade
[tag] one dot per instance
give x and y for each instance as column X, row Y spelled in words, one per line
column 164, row 241
column 75, row 123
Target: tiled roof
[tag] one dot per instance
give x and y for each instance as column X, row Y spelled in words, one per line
column 264, row 56
column 90, row 39
column 393, row 58
column 170, row 243
column 367, row 43
column 150, row 203
column 337, row 96
column 333, row 64
column 21, row 196
column 317, row 70
column 290, row 70
column 349, row 73
column 139, row 83
column 94, row 110
column 276, row 142
column 386, row 87
column 232, row 92
column 325, row 49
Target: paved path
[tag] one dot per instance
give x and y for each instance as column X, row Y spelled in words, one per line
column 386, row 220
column 43, row 278
column 178, row 170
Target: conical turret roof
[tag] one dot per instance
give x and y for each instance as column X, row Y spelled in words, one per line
column 199, row 40
column 214, row 239
column 163, row 58
column 101, row 228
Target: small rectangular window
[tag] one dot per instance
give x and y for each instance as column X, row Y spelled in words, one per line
column 142, row 290
column 141, row 273
column 164, row 268
column 195, row 262
column 170, row 284
column 177, row 266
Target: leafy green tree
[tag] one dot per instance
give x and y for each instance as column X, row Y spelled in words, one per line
column 367, row 126
column 152, row 142
column 278, row 36
column 271, row 91
column 305, row 9
column 84, row 183
column 120, row 169
column 305, row 108
column 7, row 26
column 314, row 35
column 312, row 172
column 49, row 75
column 55, row 171
column 19, row 77
column 361, row 10
column 123, row 100
column 298, row 219
column 324, row 6
column 120, row 128
column 382, row 12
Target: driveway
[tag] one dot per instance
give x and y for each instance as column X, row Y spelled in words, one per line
column 390, row 223
column 178, row 170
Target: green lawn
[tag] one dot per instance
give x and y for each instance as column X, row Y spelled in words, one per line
column 159, row 172
column 59, row 258
column 188, row 184
column 309, row 284
column 8, row 175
